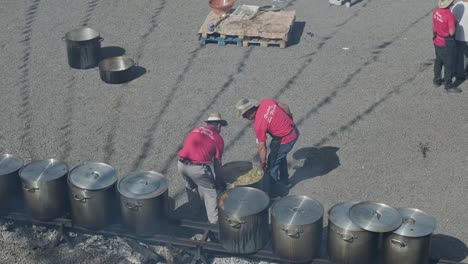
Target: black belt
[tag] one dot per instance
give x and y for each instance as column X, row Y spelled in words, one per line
column 190, row 162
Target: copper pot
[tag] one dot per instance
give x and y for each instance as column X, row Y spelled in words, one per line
column 221, row 7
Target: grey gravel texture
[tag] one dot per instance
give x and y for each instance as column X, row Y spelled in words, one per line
column 358, row 80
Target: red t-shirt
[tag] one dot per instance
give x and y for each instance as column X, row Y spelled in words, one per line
column 202, row 145
column 442, row 20
column 272, row 119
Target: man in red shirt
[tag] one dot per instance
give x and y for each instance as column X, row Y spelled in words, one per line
column 274, row 118
column 202, row 148
column 443, row 26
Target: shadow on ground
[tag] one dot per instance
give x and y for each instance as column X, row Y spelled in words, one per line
column 449, row 248
column 296, row 33
column 315, row 162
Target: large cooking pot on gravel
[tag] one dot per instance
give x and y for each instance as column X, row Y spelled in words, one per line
column 411, row 242
column 10, row 184
column 143, row 202
column 243, row 219
column 348, row 243
column 45, row 188
column 83, row 48
column 92, row 195
column 242, row 174
column 297, row 223
column 115, row 70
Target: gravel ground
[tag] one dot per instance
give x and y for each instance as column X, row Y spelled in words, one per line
column 358, row 80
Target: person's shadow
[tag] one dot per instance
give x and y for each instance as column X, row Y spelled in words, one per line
column 315, row 162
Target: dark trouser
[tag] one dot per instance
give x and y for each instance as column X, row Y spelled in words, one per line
column 277, row 163
column 444, row 57
column 462, row 54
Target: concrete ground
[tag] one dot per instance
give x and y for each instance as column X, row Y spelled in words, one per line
column 358, row 80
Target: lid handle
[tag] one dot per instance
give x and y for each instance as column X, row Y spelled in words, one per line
column 94, row 175
column 234, row 223
column 409, row 220
column 295, row 233
column 376, row 215
column 347, row 238
column 398, row 243
column 80, row 199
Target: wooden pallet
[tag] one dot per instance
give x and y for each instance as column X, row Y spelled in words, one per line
column 220, row 39
column 263, row 42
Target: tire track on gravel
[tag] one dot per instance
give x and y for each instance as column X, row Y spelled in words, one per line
column 109, row 147
column 66, row 130
column 24, row 82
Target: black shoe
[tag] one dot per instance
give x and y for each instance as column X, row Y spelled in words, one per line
column 437, row 83
column 453, row 90
column 449, row 86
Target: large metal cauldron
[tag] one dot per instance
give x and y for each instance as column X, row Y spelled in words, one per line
column 347, row 243
column 243, row 219
column 410, row 244
column 10, row 184
column 83, row 48
column 297, row 223
column 143, row 202
column 116, row 70
column 92, row 195
column 233, row 170
column 45, row 188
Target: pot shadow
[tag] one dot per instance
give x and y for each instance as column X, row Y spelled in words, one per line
column 296, row 33
column 138, row 71
column 111, row 51
column 449, row 248
column 316, row 162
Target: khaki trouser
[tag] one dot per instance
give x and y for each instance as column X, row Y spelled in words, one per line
column 200, row 182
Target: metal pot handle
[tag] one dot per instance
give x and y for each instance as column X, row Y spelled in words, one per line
column 133, row 207
column 294, row 234
column 398, row 243
column 100, row 39
column 347, row 238
column 83, row 200
column 32, row 189
column 234, row 223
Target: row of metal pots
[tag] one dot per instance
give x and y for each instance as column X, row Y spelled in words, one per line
column 49, row 189
column 354, row 229
column 84, row 52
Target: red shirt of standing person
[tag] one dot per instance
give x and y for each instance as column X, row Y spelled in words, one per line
column 203, row 149
column 443, row 26
column 274, row 118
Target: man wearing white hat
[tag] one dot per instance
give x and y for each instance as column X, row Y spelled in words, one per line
column 202, row 148
column 274, row 118
column 443, row 26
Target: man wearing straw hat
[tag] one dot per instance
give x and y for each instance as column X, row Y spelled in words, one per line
column 274, row 118
column 202, row 148
column 443, row 26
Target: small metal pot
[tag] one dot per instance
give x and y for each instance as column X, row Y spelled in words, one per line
column 83, row 48
column 10, row 184
column 410, row 244
column 45, row 188
column 116, row 70
column 243, row 220
column 297, row 223
column 92, row 195
column 235, row 169
column 143, row 202
column 347, row 243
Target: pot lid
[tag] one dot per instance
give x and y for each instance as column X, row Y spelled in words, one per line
column 142, row 185
column 92, row 176
column 9, row 164
column 416, row 223
column 43, row 170
column 297, row 210
column 339, row 216
column 243, row 201
column 375, row 217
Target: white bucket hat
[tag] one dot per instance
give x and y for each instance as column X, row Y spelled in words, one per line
column 216, row 117
column 444, row 3
column 245, row 105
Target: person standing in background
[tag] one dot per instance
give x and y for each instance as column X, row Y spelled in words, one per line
column 460, row 11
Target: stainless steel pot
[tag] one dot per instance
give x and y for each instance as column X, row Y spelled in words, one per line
column 83, row 48
column 143, row 202
column 237, row 168
column 347, row 243
column 45, row 188
column 243, row 219
column 116, row 70
column 10, row 185
column 297, row 223
column 92, row 195
column 410, row 244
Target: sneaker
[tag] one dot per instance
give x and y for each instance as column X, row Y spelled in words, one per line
column 453, row 90
column 449, row 86
column 348, row 4
column 437, row 84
